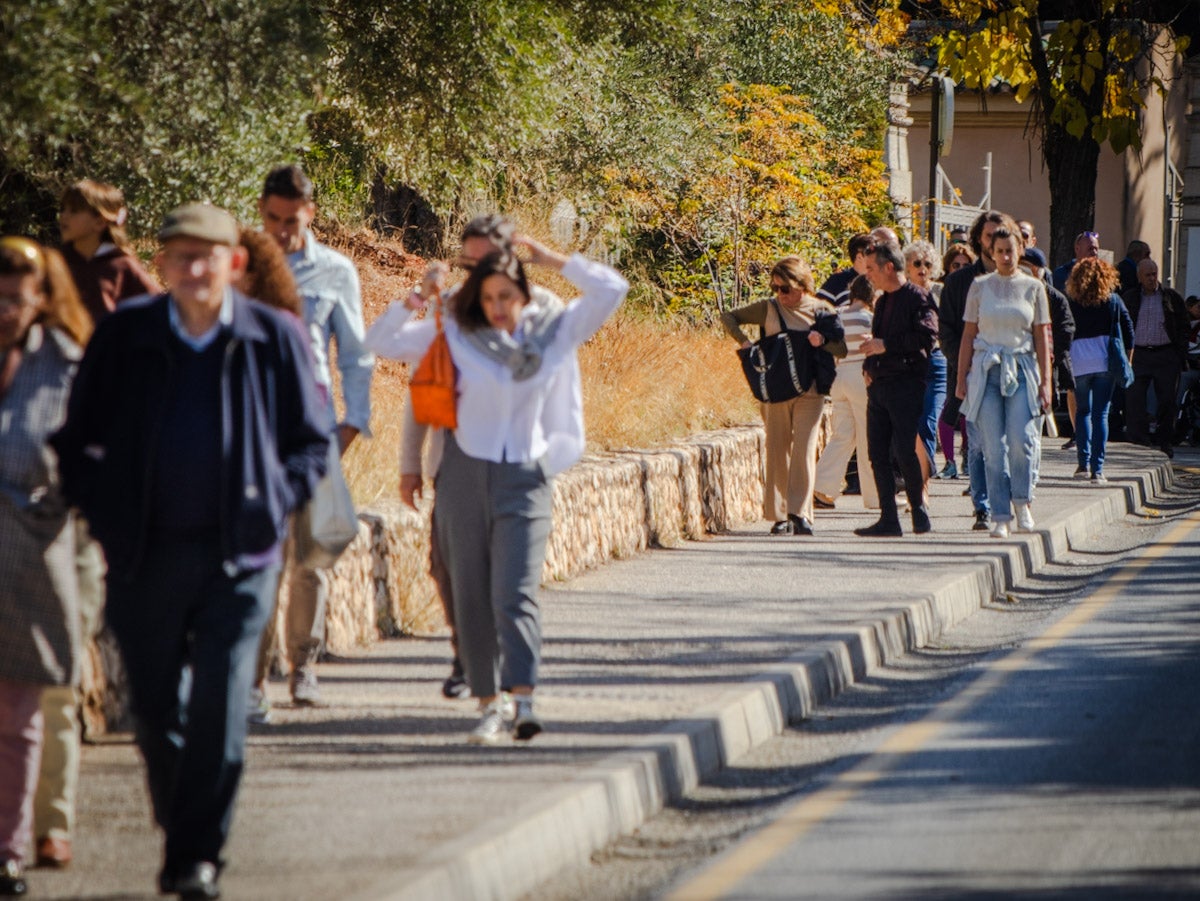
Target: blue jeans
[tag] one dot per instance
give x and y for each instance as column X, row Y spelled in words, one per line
column 1011, row 436
column 1093, row 394
column 975, row 469
column 935, row 399
column 180, row 613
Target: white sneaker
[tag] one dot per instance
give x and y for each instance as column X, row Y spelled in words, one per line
column 260, row 708
column 999, row 530
column 1024, row 518
column 493, row 722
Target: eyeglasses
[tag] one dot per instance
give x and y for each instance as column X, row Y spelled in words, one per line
column 782, row 289
column 921, row 264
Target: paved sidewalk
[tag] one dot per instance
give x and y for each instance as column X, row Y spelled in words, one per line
column 656, row 670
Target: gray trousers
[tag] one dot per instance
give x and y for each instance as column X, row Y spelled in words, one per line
column 492, row 523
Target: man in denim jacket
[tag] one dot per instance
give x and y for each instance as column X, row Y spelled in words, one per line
column 328, row 283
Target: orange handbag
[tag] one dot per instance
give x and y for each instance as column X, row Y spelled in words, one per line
column 433, row 392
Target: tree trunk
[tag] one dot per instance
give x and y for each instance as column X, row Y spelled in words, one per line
column 1071, row 165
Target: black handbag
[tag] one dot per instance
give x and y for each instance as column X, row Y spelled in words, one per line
column 775, row 365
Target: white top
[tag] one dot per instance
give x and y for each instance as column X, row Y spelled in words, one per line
column 1006, row 307
column 500, row 418
column 856, row 322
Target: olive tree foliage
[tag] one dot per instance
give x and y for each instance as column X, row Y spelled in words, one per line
column 171, row 101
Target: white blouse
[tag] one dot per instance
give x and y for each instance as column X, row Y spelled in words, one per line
column 500, row 418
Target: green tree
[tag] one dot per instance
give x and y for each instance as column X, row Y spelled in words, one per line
column 170, row 101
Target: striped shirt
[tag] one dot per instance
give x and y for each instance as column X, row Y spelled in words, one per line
column 856, row 320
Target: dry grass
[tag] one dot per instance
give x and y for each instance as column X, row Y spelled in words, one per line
column 644, row 383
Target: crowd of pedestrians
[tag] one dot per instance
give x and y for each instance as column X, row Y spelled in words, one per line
column 977, row 343
column 155, row 442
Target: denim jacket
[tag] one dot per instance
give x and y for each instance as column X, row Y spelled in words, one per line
column 328, row 283
column 274, row 439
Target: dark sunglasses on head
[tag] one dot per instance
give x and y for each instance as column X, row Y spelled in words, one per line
column 1083, row 235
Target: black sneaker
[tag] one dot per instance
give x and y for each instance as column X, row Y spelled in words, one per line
column 783, row 527
column 881, row 529
column 525, row 723
column 981, row 521
column 455, row 686
column 12, row 879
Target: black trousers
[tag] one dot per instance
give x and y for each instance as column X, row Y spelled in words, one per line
column 183, row 612
column 1160, row 367
column 895, row 406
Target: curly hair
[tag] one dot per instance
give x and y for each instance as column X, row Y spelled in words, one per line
column 62, row 308
column 794, row 271
column 268, row 277
column 1092, row 282
column 955, row 250
column 925, row 251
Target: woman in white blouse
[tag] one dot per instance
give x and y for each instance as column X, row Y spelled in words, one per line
column 1004, row 378
column 520, row 421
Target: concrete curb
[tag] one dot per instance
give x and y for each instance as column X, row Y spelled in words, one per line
column 564, row 826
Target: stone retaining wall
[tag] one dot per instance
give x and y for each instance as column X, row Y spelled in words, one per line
column 607, row 506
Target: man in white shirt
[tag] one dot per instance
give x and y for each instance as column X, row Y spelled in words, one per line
column 329, row 287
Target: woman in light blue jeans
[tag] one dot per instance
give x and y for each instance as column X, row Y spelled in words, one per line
column 1004, row 378
column 1096, row 310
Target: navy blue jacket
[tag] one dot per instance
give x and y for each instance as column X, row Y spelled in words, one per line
column 274, row 440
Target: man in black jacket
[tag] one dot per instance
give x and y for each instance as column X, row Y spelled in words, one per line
column 1160, row 339
column 903, row 332
column 193, row 429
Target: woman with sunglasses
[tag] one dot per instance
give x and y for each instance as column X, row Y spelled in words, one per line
column 923, row 267
column 791, row 425
column 91, row 224
column 1004, row 378
column 42, row 327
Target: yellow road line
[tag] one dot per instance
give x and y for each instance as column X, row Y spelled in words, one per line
column 717, row 880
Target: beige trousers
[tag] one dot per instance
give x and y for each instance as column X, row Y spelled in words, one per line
column 58, row 779
column 849, row 435
column 792, row 427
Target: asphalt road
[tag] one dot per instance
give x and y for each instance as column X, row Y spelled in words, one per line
column 1068, row 768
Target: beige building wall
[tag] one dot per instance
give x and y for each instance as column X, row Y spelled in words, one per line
column 1130, row 188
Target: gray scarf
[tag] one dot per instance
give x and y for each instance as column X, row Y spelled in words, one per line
column 539, row 323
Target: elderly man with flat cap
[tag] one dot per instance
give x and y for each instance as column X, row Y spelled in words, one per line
column 193, row 429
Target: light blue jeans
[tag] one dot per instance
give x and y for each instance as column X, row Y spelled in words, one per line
column 1011, row 436
column 1093, row 394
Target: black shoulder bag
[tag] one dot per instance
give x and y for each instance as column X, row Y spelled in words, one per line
column 776, row 365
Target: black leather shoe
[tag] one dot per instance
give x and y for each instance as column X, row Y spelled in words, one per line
column 784, row 527
column 881, row 529
column 920, row 520
column 12, row 881
column 800, row 525
column 197, row 882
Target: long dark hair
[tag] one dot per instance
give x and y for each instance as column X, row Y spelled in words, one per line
column 468, row 306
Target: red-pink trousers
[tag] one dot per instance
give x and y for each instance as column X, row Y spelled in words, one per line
column 20, row 757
